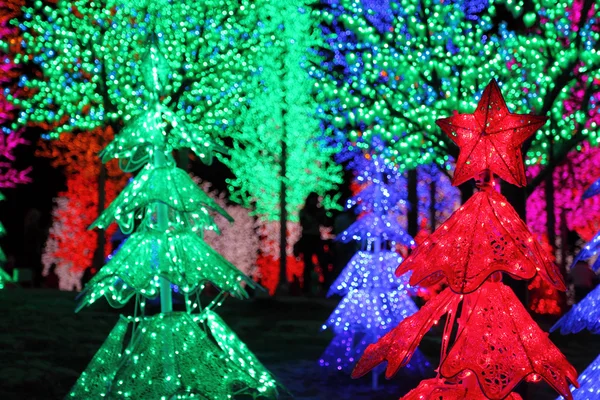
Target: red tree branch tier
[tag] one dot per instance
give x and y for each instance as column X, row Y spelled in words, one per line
column 495, row 343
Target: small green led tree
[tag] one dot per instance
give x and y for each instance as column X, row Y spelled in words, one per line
column 171, row 355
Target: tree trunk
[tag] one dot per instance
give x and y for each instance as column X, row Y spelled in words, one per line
column 98, row 259
column 550, row 216
column 564, row 243
column 283, row 286
column 432, row 191
column 413, row 201
column 466, row 191
column 183, row 159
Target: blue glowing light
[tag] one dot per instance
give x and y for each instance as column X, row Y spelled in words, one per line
column 583, row 315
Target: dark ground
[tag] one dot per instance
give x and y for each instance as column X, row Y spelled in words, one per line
column 44, row 346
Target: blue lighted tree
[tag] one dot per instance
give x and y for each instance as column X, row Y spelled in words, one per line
column 586, row 315
column 375, row 300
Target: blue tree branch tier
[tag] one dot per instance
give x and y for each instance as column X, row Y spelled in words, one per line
column 371, row 226
column 583, row 315
column 347, row 347
column 362, row 317
column 368, row 200
column 589, row 383
column 359, row 274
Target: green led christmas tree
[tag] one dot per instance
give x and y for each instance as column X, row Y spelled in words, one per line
column 170, row 355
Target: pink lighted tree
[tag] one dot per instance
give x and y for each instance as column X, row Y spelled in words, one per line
column 9, row 140
column 9, row 73
column 571, row 178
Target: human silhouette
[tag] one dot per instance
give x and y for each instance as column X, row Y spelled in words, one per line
column 312, row 216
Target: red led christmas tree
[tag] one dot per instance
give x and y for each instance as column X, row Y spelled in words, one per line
column 495, row 344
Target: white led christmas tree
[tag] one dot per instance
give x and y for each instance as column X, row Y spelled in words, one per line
column 375, row 300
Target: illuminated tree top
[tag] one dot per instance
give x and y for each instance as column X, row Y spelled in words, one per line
column 90, row 53
column 384, row 84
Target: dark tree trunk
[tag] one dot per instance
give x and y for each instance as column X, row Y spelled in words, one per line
column 413, row 201
column 517, row 198
column 183, row 159
column 564, row 243
column 98, row 259
column 283, row 221
column 549, row 193
column 432, row 204
column 550, row 216
column 466, row 191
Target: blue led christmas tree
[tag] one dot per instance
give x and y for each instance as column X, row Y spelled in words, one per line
column 375, row 300
column 586, row 315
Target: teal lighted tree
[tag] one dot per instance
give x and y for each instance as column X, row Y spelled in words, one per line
column 277, row 158
column 277, row 140
column 186, row 354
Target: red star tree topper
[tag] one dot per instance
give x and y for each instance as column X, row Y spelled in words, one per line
column 497, row 344
column 490, row 138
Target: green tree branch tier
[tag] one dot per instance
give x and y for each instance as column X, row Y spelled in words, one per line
column 214, row 363
column 168, row 185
